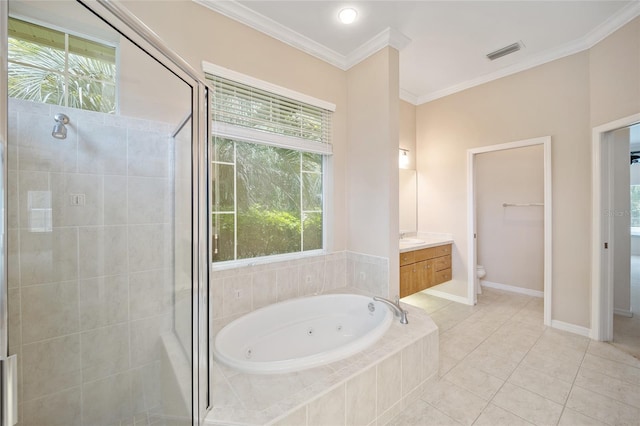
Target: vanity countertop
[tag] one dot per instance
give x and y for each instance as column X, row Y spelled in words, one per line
column 412, row 243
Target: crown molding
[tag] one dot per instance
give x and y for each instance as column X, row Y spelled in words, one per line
column 614, row 23
column 407, row 96
column 387, row 37
column 259, row 22
column 238, row 12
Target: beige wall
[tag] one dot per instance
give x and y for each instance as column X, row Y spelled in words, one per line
column 510, row 243
column 372, row 175
column 408, row 131
column 562, row 99
column 614, row 70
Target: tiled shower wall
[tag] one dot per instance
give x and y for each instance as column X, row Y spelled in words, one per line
column 90, row 264
column 241, row 290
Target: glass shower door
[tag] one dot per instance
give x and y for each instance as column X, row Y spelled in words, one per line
column 99, row 224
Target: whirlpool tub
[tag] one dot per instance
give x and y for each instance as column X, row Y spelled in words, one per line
column 301, row 333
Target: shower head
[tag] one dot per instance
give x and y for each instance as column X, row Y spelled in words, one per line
column 59, row 129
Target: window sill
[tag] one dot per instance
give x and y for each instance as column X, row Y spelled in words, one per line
column 255, row 261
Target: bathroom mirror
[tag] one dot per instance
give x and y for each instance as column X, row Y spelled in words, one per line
column 408, row 201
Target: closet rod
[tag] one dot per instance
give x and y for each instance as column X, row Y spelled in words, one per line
column 521, row 205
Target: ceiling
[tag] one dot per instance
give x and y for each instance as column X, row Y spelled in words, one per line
column 443, row 44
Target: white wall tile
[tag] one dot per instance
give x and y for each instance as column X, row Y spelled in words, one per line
column 39, row 151
column 102, row 251
column 361, row 398
column 51, row 366
column 107, row 401
column 150, row 293
column 105, row 351
column 148, row 154
column 329, row 409
column 48, row 256
column 63, row 186
column 102, row 149
column 115, row 200
column 59, row 409
column 103, row 301
column 412, row 367
column 264, row 288
column 147, row 245
column 148, row 200
column 145, row 339
column 389, row 382
column 236, row 295
column 49, row 310
column 287, row 279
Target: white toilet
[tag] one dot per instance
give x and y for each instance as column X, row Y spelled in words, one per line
column 480, row 271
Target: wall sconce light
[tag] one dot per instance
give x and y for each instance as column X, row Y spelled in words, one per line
column 403, row 161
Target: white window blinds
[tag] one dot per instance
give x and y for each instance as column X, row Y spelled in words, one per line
column 261, row 116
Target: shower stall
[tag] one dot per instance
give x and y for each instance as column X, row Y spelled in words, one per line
column 104, row 267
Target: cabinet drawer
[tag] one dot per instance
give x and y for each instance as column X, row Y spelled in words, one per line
column 442, row 276
column 443, row 262
column 442, row 250
column 407, row 258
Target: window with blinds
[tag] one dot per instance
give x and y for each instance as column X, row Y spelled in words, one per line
column 54, row 67
column 267, row 172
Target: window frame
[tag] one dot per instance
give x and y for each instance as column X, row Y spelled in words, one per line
column 67, row 32
column 247, row 135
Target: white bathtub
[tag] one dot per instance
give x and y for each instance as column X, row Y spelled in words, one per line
column 301, row 333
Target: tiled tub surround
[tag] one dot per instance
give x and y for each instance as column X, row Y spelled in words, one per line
column 240, row 290
column 90, row 286
column 369, row 387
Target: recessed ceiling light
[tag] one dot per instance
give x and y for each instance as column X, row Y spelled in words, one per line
column 348, row 15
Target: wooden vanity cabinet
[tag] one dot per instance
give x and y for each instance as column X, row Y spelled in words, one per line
column 424, row 268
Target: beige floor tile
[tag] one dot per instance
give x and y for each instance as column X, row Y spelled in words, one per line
column 611, row 368
column 474, row 380
column 423, row 414
column 609, row 386
column 545, row 363
column 503, row 338
column 602, row 408
column 496, row 416
column 489, row 363
column 454, row 401
column 528, row 405
column 573, row 418
column 605, row 350
column 545, row 385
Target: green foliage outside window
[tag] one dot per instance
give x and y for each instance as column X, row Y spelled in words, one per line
column 276, row 200
column 52, row 67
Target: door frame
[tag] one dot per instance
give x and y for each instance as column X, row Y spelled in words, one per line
column 472, row 253
column 601, row 258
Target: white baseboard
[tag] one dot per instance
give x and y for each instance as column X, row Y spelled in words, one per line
column 511, row 288
column 623, row 312
column 572, row 328
column 447, row 296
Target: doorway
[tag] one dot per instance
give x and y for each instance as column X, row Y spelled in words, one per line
column 614, row 226
column 545, row 205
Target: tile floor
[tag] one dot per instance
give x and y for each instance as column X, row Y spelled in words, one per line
column 500, row 366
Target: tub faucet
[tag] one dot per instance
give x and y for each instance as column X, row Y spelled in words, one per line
column 395, row 306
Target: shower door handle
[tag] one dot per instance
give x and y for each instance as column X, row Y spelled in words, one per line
column 9, row 372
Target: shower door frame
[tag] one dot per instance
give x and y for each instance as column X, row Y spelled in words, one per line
column 8, row 363
column 135, row 30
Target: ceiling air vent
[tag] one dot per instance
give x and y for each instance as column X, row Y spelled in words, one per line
column 505, row 51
